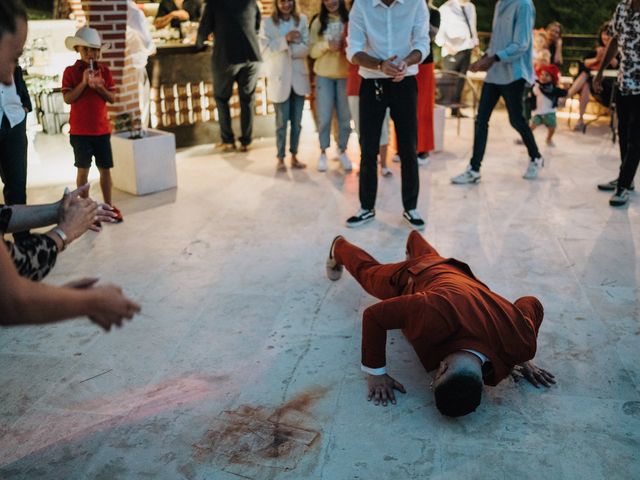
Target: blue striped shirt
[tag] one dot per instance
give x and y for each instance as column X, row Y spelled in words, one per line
column 512, row 41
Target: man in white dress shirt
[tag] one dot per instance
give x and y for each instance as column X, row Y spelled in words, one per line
column 388, row 39
column 458, row 36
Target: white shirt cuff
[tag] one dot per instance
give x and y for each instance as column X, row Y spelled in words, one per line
column 374, row 371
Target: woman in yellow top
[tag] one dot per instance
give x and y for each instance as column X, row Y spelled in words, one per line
column 327, row 48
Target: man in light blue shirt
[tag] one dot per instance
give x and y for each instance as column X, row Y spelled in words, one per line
column 509, row 66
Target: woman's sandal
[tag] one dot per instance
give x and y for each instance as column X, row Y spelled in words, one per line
column 298, row 165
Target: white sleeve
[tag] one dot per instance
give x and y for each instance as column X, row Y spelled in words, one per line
column 357, row 38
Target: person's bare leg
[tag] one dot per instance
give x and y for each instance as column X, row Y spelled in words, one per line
column 585, row 93
column 82, row 177
column 577, row 84
column 550, row 132
column 105, row 184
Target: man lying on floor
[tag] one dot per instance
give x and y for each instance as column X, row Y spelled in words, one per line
column 454, row 322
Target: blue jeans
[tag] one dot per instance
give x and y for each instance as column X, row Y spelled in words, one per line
column 289, row 111
column 332, row 93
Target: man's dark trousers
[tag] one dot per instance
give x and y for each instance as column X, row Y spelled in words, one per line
column 401, row 98
column 13, row 162
column 458, row 63
column 628, row 109
column 512, row 94
column 246, row 76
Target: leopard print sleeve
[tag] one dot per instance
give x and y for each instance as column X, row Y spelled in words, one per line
column 34, row 256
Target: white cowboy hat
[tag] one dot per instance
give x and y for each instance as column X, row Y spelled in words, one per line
column 85, row 37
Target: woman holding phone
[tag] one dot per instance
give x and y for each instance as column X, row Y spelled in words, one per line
column 284, row 44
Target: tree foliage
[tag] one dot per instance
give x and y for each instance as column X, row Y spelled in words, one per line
column 576, row 16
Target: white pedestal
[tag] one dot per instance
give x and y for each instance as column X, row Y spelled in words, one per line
column 439, row 114
column 144, row 165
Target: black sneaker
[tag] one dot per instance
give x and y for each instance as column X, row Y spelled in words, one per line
column 620, row 198
column 363, row 216
column 414, row 219
column 611, row 186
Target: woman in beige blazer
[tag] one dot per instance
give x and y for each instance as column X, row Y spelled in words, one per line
column 284, row 42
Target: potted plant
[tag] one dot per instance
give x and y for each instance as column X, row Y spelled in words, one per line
column 144, row 159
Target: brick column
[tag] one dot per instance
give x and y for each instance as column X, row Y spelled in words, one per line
column 109, row 17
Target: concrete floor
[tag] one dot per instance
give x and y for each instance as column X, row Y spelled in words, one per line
column 245, row 360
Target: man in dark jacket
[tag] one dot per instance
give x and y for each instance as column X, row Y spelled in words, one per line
column 236, row 57
column 14, row 106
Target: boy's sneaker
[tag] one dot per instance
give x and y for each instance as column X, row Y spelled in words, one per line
column 346, row 163
column 334, row 270
column 468, row 176
column 386, row 172
column 532, row 169
column 118, row 218
column 620, row 198
column 612, row 186
column 396, row 158
column 322, row 162
column 363, row 216
column 414, row 219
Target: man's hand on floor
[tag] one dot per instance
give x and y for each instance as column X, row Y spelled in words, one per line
column 381, row 389
column 534, row 375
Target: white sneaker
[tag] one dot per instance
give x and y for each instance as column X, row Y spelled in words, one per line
column 532, row 169
column 468, row 176
column 424, row 161
column 322, row 162
column 396, row 158
column 346, row 163
column 386, row 172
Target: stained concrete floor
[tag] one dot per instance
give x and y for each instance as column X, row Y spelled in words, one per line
column 245, row 360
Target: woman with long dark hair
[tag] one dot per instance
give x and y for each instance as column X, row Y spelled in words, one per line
column 582, row 83
column 327, row 45
column 284, row 44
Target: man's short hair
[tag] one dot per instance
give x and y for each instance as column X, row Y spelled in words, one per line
column 459, row 394
column 10, row 11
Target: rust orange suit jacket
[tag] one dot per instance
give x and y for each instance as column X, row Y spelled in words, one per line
column 443, row 309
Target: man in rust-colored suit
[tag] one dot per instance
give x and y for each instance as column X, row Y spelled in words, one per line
column 454, row 322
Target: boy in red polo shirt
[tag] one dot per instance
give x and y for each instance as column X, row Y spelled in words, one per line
column 87, row 86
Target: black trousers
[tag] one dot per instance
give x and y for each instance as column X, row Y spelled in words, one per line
column 13, row 162
column 246, row 76
column 401, row 98
column 458, row 63
column 628, row 109
column 512, row 94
